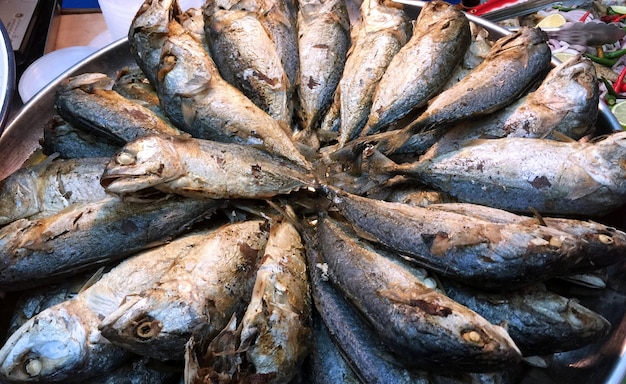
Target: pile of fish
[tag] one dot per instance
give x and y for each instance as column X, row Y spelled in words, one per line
column 312, row 191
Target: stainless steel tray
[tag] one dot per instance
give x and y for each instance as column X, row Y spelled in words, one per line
column 602, row 362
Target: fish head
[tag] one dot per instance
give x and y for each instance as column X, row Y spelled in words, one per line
column 568, row 97
column 48, row 347
column 142, row 164
column 184, row 66
column 154, row 14
column 153, row 325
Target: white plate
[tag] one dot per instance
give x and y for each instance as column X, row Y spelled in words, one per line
column 48, row 67
column 7, row 74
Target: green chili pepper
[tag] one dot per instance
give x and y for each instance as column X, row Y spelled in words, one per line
column 562, row 8
column 609, row 87
column 615, row 54
column 601, row 60
column 610, row 100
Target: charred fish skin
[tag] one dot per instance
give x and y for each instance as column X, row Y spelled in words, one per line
column 198, row 100
column 84, row 104
column 62, row 343
column 323, row 43
column 421, row 67
column 86, row 235
column 199, row 294
column 69, row 142
column 450, row 335
column 148, row 32
column 49, row 187
column 539, row 321
column 565, row 179
column 514, row 63
column 326, row 365
column 276, row 326
column 200, row 169
column 247, row 56
column 492, row 255
column 384, row 29
column 137, row 371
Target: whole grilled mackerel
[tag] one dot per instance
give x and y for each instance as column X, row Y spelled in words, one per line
column 199, row 101
column 425, row 328
column 86, row 235
column 539, row 321
column 476, row 251
column 199, row 294
column 513, row 65
column 565, row 102
column 88, row 102
column 200, row 169
column 524, row 174
column 276, row 327
column 269, row 342
column 384, row 29
column 441, row 35
column 360, row 346
column 63, row 344
column 247, row 57
column 323, row 42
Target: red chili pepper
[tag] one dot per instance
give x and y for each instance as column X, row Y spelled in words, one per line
column 489, row 5
column 612, row 18
column 619, row 82
column 584, row 17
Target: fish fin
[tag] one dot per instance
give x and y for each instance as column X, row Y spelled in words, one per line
column 584, row 188
column 351, row 155
column 102, row 299
column 560, row 136
column 538, row 216
column 392, row 142
column 41, row 167
column 93, row 279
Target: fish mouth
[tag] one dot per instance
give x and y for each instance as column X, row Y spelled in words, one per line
column 124, row 183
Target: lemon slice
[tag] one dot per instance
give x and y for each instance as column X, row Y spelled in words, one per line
column 621, row 9
column 554, row 20
column 619, row 110
column 563, row 56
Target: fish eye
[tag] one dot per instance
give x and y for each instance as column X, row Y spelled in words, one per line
column 125, row 158
column 605, row 239
column 148, row 328
column 472, row 336
column 33, row 367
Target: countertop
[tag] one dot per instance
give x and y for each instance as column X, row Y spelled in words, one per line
column 73, row 29
column 78, row 29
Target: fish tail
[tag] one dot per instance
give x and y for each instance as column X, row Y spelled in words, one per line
column 390, row 143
